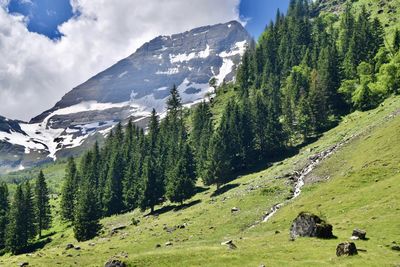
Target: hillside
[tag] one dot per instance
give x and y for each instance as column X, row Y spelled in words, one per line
column 354, row 188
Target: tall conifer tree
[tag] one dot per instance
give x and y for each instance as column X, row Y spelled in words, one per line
column 42, row 204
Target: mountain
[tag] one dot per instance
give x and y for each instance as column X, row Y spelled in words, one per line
column 129, row 89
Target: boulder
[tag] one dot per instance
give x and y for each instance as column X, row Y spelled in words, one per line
column 114, row 263
column 310, row 225
column 158, row 246
column 396, row 247
column 181, row 226
column 69, row 246
column 116, row 229
column 230, row 244
column 168, row 244
column 346, row 249
column 23, row 264
column 234, row 209
column 359, row 233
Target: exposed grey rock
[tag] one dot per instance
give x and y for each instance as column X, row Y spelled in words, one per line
column 116, row 229
column 234, row 209
column 69, row 246
column 310, row 225
column 346, row 249
column 230, row 244
column 181, row 226
column 25, row 263
column 168, row 244
column 359, row 233
column 115, row 263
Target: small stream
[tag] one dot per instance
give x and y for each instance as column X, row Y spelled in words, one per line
column 298, row 177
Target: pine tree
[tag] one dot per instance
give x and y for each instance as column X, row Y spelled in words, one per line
column 174, row 103
column 42, row 205
column 113, row 199
column 17, row 237
column 346, row 29
column 181, row 184
column 329, row 79
column 150, row 188
column 218, row 167
column 4, row 208
column 131, row 185
column 261, row 119
column 200, row 135
column 152, row 184
column 86, row 222
column 133, row 173
column 29, row 210
column 245, row 75
column 69, row 191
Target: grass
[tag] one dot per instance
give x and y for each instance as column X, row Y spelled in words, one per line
column 361, row 192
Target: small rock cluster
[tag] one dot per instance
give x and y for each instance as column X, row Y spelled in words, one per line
column 310, row 225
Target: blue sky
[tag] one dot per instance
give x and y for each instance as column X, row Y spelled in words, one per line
column 45, row 15
column 259, row 12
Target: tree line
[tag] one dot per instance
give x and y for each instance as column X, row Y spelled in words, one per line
column 26, row 217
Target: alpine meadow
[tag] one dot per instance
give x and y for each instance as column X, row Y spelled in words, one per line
column 215, row 148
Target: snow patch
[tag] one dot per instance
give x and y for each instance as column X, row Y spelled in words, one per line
column 55, row 138
column 203, row 89
column 123, row 74
column 226, row 68
column 20, row 139
column 169, row 71
column 238, row 49
column 187, row 57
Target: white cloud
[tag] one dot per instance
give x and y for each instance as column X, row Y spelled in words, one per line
column 35, row 71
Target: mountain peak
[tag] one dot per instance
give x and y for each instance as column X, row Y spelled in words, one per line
column 132, row 87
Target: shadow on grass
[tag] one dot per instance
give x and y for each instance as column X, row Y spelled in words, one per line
column 187, row 205
column 35, row 246
column 224, row 189
column 48, row 234
column 199, row 189
column 173, row 208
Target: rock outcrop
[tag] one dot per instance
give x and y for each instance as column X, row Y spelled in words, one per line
column 346, row 249
column 310, row 225
column 359, row 234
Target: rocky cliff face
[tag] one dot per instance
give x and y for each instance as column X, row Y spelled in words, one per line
column 132, row 88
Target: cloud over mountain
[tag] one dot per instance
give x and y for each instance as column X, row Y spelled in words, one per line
column 36, row 71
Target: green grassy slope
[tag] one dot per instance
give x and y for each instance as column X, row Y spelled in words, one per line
column 362, row 191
